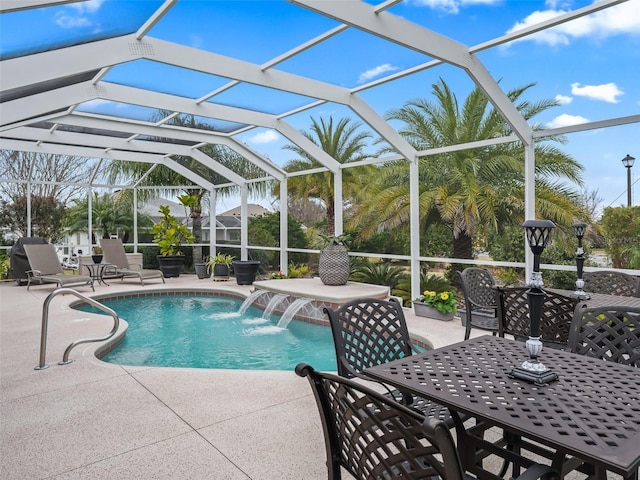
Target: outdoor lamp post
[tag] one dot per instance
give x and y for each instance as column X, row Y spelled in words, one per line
column 628, row 163
column 579, row 229
column 531, row 370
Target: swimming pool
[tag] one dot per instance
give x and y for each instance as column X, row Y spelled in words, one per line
column 209, row 332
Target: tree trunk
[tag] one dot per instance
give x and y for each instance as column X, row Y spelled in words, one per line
column 196, row 217
column 462, row 246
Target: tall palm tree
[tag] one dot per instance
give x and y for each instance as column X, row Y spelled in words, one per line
column 163, row 177
column 342, row 141
column 470, row 189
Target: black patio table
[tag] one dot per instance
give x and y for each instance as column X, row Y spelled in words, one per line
column 588, row 418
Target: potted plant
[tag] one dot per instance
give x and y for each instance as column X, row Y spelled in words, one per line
column 170, row 234
column 334, row 266
column 219, row 266
column 440, row 306
column 97, row 255
column 245, row 271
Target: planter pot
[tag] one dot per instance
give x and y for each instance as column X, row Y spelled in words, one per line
column 171, row 265
column 221, row 273
column 334, row 266
column 245, row 271
column 424, row 310
column 201, row 270
column 97, row 258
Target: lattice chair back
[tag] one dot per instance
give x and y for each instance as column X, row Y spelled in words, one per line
column 555, row 323
column 612, row 283
column 373, row 437
column 368, row 332
column 478, row 286
column 609, row 333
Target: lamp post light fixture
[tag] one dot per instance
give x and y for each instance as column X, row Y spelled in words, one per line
column 579, row 229
column 628, row 163
column 538, row 234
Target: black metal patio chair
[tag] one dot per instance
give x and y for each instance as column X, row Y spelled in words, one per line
column 611, row 282
column 609, row 333
column 373, row 437
column 481, row 310
column 555, row 322
column 371, row 331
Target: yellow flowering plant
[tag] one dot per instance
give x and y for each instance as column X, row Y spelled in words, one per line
column 444, row 302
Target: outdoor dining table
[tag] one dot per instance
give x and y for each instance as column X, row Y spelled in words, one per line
column 589, row 417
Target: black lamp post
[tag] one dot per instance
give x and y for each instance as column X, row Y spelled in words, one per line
column 579, row 228
column 628, row 163
column 531, row 370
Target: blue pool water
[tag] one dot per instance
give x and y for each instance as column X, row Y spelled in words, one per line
column 208, row 332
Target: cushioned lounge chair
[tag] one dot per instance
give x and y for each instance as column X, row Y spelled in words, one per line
column 115, row 255
column 45, row 268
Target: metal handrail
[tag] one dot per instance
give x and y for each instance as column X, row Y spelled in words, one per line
column 45, row 323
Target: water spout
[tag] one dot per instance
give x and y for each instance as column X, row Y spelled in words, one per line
column 273, row 303
column 291, row 310
column 250, row 299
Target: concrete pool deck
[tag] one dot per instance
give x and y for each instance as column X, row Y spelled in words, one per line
column 93, row 420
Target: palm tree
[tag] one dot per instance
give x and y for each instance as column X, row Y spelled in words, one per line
column 163, row 177
column 108, row 215
column 469, row 189
column 345, row 144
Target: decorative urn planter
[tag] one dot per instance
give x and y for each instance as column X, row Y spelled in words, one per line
column 97, row 257
column 171, row 265
column 421, row 309
column 334, row 265
column 245, row 271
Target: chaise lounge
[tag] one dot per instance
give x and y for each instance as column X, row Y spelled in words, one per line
column 115, row 255
column 45, row 268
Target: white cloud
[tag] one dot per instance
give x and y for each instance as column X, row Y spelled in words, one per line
column 267, row 136
column 90, row 6
column 566, row 120
column 563, row 99
column 607, row 92
column 68, row 21
column 77, row 16
column 620, row 19
column 452, row 6
column 376, row 72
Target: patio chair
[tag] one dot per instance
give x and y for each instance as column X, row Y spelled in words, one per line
column 609, row 333
column 373, row 437
column 481, row 310
column 371, row 331
column 115, row 255
column 46, row 268
column 555, row 322
column 611, row 282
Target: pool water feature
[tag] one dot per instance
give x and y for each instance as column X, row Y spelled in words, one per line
column 200, row 331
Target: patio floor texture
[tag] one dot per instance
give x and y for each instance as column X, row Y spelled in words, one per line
column 93, row 420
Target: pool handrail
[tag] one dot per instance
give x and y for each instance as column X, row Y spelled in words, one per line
column 45, row 323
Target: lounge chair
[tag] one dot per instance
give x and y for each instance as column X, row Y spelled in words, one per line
column 46, row 268
column 115, row 255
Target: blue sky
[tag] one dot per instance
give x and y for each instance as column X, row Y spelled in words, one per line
column 591, row 66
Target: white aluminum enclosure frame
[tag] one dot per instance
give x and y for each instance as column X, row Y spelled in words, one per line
column 29, row 101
